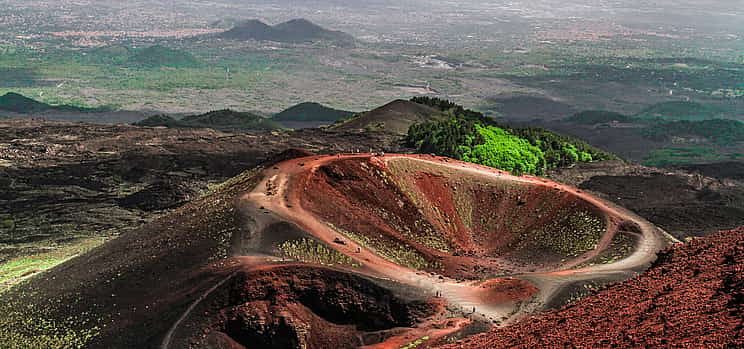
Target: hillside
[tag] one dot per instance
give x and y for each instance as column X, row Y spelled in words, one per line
column 526, row 107
column 311, row 112
column 161, row 121
column 470, row 136
column 225, row 120
column 293, row 31
column 395, row 117
column 691, row 297
column 717, row 131
column 685, row 111
column 136, row 285
column 593, row 117
column 160, row 56
column 16, row 103
column 267, row 259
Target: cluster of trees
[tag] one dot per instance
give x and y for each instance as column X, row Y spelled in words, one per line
column 505, row 151
column 469, row 136
column 721, row 131
column 450, row 107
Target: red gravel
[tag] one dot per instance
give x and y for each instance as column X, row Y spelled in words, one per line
column 691, row 298
column 310, row 307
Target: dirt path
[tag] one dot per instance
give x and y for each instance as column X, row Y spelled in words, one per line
column 277, row 194
column 169, row 335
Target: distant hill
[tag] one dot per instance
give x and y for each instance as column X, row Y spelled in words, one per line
column 294, row 31
column 688, row 111
column 161, row 56
column 309, row 111
column 528, row 107
column 161, row 121
column 395, row 117
column 225, row 120
column 593, row 117
column 16, row 103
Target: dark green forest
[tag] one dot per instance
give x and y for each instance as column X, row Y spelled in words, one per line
column 470, row 136
column 719, row 131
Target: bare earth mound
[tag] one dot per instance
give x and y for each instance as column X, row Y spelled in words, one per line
column 395, row 117
column 691, row 298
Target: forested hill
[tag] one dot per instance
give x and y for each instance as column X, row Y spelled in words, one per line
column 470, row 136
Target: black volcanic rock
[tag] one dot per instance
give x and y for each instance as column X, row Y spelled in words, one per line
column 293, row 31
column 159, row 196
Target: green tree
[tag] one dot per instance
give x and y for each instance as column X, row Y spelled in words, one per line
column 504, row 151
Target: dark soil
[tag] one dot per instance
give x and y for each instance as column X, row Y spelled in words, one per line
column 526, row 107
column 681, row 203
column 160, row 196
column 60, row 179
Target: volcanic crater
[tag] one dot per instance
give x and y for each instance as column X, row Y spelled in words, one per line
column 345, row 251
column 390, row 251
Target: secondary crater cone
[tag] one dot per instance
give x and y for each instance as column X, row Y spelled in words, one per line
column 460, row 221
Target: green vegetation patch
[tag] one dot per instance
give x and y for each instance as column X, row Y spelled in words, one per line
column 29, row 329
column 468, row 135
column 18, row 77
column 577, row 234
column 622, row 246
column 398, row 253
column 670, row 156
column 311, row 251
column 415, row 343
column 16, row 269
column 25, row 325
column 503, row 150
column 719, row 131
column 687, row 111
column 160, row 56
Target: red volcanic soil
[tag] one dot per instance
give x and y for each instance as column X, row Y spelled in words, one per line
column 462, row 225
column 296, row 306
column 692, row 297
column 506, row 290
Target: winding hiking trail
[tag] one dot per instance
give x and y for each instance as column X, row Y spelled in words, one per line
column 279, row 196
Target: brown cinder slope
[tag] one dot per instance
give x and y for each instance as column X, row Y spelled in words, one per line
column 690, row 298
column 395, row 117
